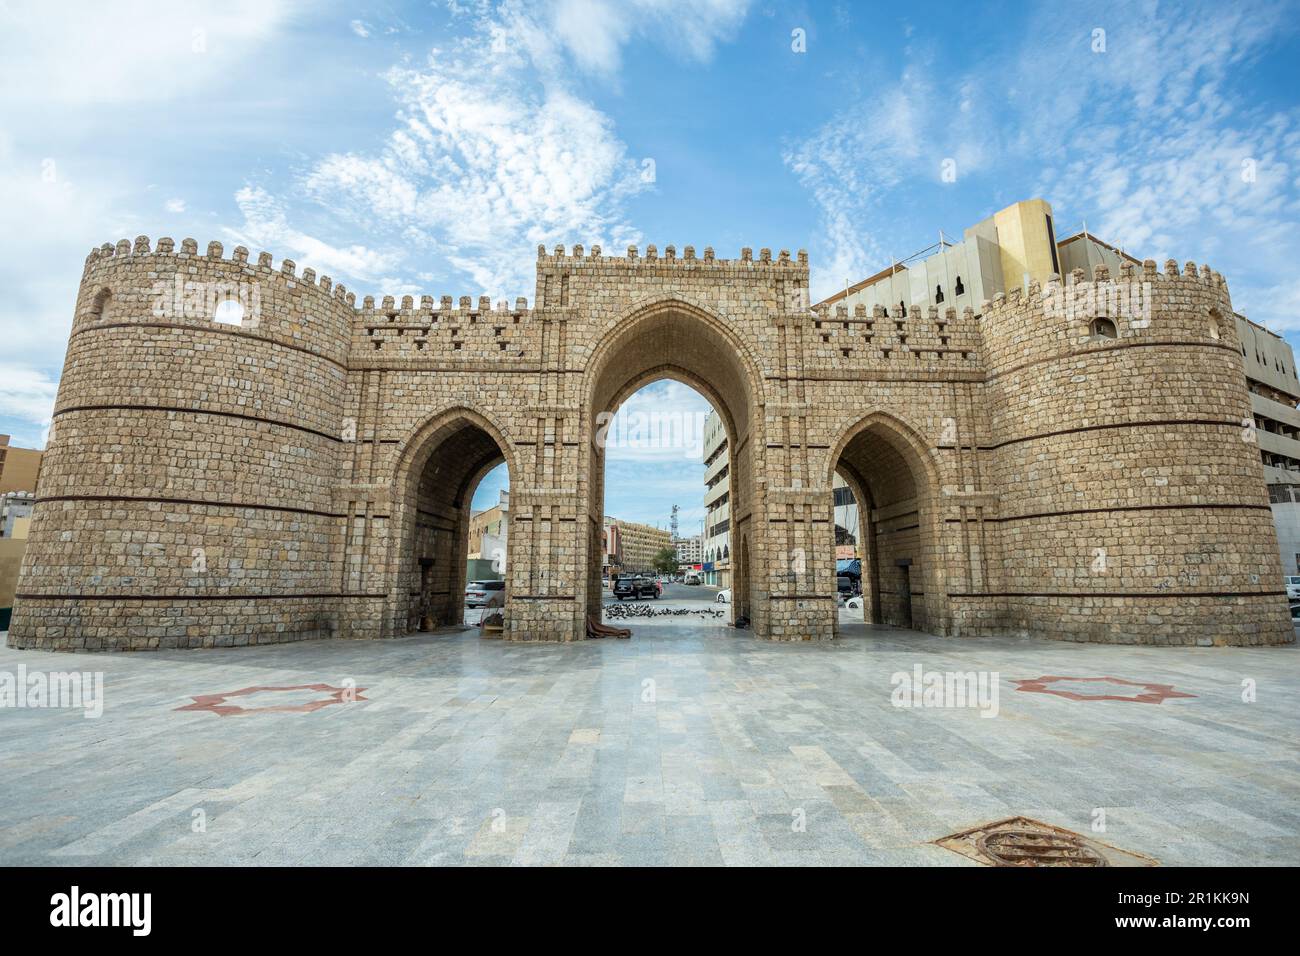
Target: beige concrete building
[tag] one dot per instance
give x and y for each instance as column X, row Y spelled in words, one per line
column 19, row 467
column 488, row 530
column 1043, row 462
column 15, row 524
column 717, row 503
column 690, row 550
column 632, row 546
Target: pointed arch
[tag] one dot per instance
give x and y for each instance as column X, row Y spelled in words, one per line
column 894, row 473
column 438, row 466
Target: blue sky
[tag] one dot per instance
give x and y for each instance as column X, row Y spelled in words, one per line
column 428, row 147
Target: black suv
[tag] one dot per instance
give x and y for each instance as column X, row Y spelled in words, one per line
column 635, row 586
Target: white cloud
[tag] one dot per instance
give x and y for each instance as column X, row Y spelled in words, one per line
column 175, row 205
column 1146, row 141
column 360, row 28
column 662, row 423
column 27, row 395
column 591, row 34
column 487, row 162
column 266, row 226
column 130, row 50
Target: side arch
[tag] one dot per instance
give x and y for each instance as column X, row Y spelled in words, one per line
column 887, row 461
column 438, row 467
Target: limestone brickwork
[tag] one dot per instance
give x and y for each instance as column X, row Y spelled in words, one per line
column 308, row 471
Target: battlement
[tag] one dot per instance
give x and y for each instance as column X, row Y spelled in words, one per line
column 189, row 249
column 577, row 257
column 446, row 305
column 1100, row 285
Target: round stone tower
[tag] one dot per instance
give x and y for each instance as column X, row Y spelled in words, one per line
column 185, row 499
column 1133, row 506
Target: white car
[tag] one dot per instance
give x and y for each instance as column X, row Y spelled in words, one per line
column 1293, row 586
column 724, row 596
column 854, row 603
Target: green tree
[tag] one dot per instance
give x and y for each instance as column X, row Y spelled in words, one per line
column 665, row 561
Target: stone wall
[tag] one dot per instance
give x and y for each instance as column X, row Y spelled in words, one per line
column 307, row 472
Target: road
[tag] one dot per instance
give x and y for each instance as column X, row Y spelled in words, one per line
column 679, row 594
column 679, row 604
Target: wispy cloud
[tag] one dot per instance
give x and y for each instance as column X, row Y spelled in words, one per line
column 1137, row 129
column 266, row 226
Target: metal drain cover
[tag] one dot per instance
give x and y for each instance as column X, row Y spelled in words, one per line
column 1020, row 841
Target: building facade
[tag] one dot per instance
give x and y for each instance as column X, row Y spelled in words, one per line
column 20, row 468
column 690, row 550
column 1038, row 463
column 632, row 547
column 847, row 520
column 716, row 557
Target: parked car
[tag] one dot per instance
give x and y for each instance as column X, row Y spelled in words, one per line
column 724, row 596
column 635, row 586
column 485, row 594
column 1295, row 613
column 1293, row 586
column 855, row 603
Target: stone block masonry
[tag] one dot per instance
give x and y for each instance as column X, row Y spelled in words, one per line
column 307, row 472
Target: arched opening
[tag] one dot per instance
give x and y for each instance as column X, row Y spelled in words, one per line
column 442, row 468
column 1102, row 328
column 887, row 472
column 665, row 483
column 683, row 343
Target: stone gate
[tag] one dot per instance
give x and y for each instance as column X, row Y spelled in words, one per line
column 1070, row 472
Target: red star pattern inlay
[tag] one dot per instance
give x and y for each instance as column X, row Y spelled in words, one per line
column 1154, row 693
column 217, row 703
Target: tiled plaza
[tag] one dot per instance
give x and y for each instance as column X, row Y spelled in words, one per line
column 687, row 744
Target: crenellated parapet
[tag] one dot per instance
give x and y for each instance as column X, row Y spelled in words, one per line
column 134, row 282
column 560, row 274
column 442, row 330
column 578, row 257
column 917, row 339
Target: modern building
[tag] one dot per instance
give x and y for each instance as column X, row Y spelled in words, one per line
column 1004, row 251
column 15, row 519
column 846, row 521
column 487, row 540
column 690, row 551
column 1274, row 394
column 630, row 546
column 716, row 559
column 19, row 467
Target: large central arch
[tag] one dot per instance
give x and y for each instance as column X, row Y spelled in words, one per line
column 672, row 338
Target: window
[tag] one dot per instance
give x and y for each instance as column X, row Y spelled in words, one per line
column 961, row 289
column 99, row 307
column 1103, row 329
column 938, row 294
column 231, row 312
